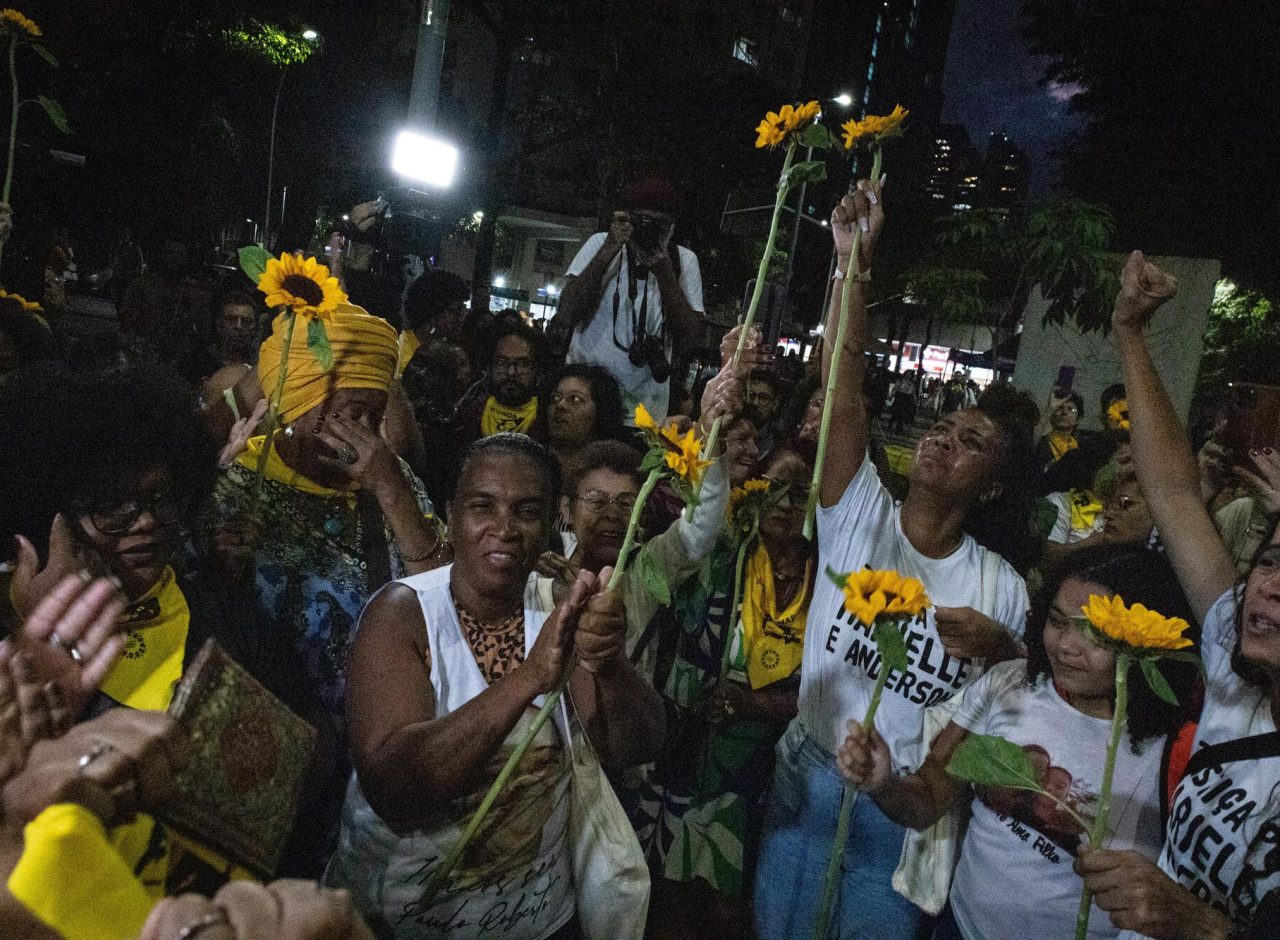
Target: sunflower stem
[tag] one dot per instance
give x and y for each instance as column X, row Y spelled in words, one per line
column 633, row 526
column 13, row 121
column 735, row 600
column 877, row 163
column 784, row 189
column 273, row 409
column 439, row 876
column 847, row 799
column 1119, row 718
column 828, row 401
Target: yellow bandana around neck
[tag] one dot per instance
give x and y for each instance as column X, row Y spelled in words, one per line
column 281, row 472
column 155, row 638
column 773, row 641
column 1061, row 444
column 1085, row 508
column 498, row 418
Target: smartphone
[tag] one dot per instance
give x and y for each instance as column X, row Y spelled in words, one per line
column 1066, row 380
column 1253, row 419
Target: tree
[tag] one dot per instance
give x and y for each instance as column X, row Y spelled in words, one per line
column 981, row 266
column 1181, row 100
column 1241, row 341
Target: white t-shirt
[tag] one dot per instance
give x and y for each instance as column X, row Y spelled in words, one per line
column 595, row 344
column 1226, row 819
column 1014, row 879
column 841, row 661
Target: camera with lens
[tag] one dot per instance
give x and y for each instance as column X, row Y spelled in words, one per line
column 651, row 351
column 646, row 233
column 407, row 224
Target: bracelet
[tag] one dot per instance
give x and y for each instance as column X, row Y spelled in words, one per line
column 862, row 277
column 441, row 542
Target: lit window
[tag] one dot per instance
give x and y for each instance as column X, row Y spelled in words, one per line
column 744, row 50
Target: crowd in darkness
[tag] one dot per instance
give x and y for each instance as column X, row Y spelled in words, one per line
column 419, row 551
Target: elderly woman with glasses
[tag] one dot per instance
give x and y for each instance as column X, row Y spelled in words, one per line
column 98, row 472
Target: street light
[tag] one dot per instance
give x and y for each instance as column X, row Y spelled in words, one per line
column 844, row 99
column 310, row 35
column 424, row 159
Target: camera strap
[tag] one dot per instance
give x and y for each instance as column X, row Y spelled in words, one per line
column 640, row 315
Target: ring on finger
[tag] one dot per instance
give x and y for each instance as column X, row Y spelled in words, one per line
column 72, row 649
column 96, row 751
column 215, row 918
column 347, row 454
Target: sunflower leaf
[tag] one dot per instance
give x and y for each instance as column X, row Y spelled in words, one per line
column 56, row 115
column 836, row 578
column 812, row 171
column 991, row 761
column 253, row 261
column 1155, row 679
column 45, row 54
column 652, row 461
column 318, row 343
column 652, row 578
column 893, row 648
column 817, row 136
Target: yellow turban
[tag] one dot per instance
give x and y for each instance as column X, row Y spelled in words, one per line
column 364, row 356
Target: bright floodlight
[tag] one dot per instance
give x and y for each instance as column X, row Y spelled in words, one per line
column 310, row 35
column 844, row 99
column 499, row 281
column 424, row 159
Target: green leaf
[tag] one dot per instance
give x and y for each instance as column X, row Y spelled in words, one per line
column 652, row 461
column 836, row 578
column 812, row 171
column 990, row 761
column 653, row 580
column 893, row 648
column 318, row 343
column 1155, row 679
column 253, row 261
column 44, row 54
column 816, row 136
column 56, row 114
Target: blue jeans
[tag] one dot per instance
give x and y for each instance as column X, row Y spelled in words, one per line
column 801, row 813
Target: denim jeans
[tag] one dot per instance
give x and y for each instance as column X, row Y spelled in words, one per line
column 802, row 809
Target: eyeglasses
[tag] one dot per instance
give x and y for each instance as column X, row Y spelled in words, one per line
column 166, row 506
column 597, row 502
column 502, row 365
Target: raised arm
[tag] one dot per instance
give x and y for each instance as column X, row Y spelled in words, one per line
column 581, row 294
column 1166, row 467
column 847, row 440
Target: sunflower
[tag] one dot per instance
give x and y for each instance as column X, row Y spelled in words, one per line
column 1136, row 627
column 770, row 132
column 304, row 286
column 15, row 22
column 1118, row 415
column 875, row 127
column 684, row 456
column 886, row 595
column 778, row 125
column 29, row 305
column 745, row 491
column 644, row 420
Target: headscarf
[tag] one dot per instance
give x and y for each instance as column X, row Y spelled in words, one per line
column 364, row 356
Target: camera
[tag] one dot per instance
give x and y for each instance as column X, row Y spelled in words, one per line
column 408, row 224
column 646, row 233
column 651, row 351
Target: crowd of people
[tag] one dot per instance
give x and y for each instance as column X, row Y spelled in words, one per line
column 423, row 552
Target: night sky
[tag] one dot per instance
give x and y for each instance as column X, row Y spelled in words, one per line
column 992, row 83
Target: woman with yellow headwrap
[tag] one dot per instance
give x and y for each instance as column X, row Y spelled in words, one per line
column 338, row 514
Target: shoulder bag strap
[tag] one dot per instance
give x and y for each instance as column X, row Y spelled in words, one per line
column 1254, row 747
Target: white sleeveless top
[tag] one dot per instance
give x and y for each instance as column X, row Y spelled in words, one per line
column 515, row 879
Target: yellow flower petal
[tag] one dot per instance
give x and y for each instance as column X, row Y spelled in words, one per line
column 1138, row 627
column 16, row 22
column 303, row 285
column 644, row 419
column 870, row 594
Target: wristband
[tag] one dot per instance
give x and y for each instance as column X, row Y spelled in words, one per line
column 863, row 277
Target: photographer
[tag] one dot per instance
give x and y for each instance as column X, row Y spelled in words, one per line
column 633, row 299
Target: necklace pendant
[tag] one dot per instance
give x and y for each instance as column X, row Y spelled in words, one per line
column 333, row 527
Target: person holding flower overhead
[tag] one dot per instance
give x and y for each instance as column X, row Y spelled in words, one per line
column 965, row 467
column 1220, row 861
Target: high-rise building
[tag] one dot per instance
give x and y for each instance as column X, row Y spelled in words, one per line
column 951, row 178
column 1005, row 174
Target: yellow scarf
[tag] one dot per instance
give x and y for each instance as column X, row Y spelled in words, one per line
column 1061, row 444
column 1085, row 508
column 498, row 418
column 155, row 638
column 772, row 642
column 281, row 472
